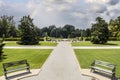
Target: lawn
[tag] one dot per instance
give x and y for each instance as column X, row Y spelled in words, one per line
column 36, row 57
column 88, row 43
column 42, row 43
column 86, row 57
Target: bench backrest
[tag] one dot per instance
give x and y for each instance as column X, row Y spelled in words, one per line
column 104, row 64
column 15, row 63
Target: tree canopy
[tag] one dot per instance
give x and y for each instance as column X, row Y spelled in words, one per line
column 99, row 31
column 7, row 26
column 115, row 27
column 28, row 31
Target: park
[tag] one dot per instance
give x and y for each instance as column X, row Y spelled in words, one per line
column 59, row 53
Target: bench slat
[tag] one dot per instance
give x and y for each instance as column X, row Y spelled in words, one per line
column 101, row 69
column 17, row 69
column 22, row 65
column 103, row 66
column 15, row 63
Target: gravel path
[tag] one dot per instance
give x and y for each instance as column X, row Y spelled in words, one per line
column 61, row 65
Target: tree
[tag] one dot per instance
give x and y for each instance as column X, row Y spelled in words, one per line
column 1, row 47
column 77, row 33
column 99, row 31
column 28, row 31
column 114, row 26
column 67, row 30
column 44, row 30
column 7, row 26
column 64, row 33
column 88, row 32
column 56, row 32
column 50, row 28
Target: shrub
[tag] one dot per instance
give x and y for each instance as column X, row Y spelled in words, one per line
column 95, row 40
column 1, row 49
column 41, row 39
column 112, row 38
column 118, row 38
column 12, row 39
column 27, row 42
column 87, row 38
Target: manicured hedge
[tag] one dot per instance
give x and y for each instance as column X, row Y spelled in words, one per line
column 112, row 38
column 12, row 39
column 87, row 38
column 18, row 39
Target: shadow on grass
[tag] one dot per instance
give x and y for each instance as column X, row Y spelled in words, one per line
column 4, row 57
column 110, row 44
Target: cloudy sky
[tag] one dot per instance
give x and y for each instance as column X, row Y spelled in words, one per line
column 80, row 13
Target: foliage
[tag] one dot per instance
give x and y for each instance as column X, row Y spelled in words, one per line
column 28, row 31
column 11, row 39
column 1, row 49
column 112, row 38
column 99, row 31
column 87, row 38
column 114, row 26
column 41, row 43
column 7, row 26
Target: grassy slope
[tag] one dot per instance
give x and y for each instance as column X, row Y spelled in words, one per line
column 86, row 57
column 36, row 57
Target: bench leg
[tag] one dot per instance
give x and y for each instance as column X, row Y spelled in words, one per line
column 28, row 69
column 113, row 77
column 92, row 70
column 6, row 76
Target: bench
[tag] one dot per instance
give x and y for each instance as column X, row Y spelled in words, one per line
column 104, row 67
column 15, row 66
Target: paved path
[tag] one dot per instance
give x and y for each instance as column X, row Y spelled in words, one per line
column 61, row 65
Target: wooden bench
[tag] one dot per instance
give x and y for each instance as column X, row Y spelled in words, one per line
column 104, row 67
column 15, row 66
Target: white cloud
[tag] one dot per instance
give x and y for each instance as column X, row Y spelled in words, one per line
column 97, row 1
column 33, row 8
column 60, row 12
column 97, row 8
column 2, row 3
column 111, row 2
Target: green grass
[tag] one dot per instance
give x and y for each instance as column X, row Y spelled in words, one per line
column 88, row 43
column 87, row 56
column 36, row 57
column 13, row 43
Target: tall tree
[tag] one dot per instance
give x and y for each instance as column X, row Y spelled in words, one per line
column 7, row 26
column 99, row 31
column 88, row 32
column 56, row 32
column 50, row 28
column 44, row 30
column 115, row 27
column 67, row 30
column 28, row 31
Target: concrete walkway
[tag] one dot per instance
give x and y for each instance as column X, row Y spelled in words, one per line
column 61, row 65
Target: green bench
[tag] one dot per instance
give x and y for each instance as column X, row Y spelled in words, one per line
column 15, row 66
column 104, row 67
